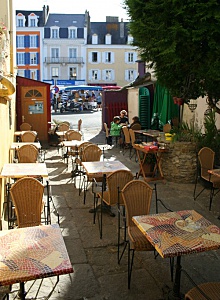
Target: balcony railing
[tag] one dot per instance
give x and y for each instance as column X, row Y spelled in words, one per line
column 63, row 60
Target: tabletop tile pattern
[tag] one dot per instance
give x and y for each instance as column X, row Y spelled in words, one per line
column 31, row 253
column 179, row 233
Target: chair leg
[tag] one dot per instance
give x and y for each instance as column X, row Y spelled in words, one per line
column 130, row 263
column 125, row 236
column 212, row 191
column 171, row 267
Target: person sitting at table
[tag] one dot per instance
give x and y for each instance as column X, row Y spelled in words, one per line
column 123, row 117
column 115, row 129
column 136, row 124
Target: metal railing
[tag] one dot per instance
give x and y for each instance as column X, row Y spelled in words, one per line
column 63, row 60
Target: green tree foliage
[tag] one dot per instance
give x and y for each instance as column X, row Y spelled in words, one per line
column 181, row 41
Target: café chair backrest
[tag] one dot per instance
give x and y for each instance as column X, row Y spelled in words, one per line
column 25, row 127
column 27, row 196
column 73, row 135
column 28, row 136
column 63, row 127
column 91, row 153
column 27, row 154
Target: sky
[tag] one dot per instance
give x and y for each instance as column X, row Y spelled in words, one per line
column 98, row 9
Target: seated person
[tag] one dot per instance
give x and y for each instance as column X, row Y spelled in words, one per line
column 115, row 129
column 123, row 117
column 136, row 124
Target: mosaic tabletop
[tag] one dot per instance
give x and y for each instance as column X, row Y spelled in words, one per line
column 179, row 233
column 23, row 169
column 31, row 253
column 103, row 167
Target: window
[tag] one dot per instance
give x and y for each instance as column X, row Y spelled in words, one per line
column 108, row 75
column 130, row 39
column 94, row 39
column 20, row 73
column 20, row 41
column 33, row 41
column 33, row 74
column 94, row 74
column 20, row 57
column 54, row 55
column 54, row 72
column 20, row 23
column 72, row 73
column 72, row 33
column 33, row 58
column 54, row 33
column 108, row 39
column 107, row 56
column 94, row 56
column 72, row 54
column 32, row 23
column 131, row 75
column 130, row 57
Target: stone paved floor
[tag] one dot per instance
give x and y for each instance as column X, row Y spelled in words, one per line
column 97, row 275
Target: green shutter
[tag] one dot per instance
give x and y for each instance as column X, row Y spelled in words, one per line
column 144, row 107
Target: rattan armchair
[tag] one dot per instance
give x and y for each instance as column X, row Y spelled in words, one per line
column 27, row 196
column 25, row 127
column 90, row 153
column 63, row 127
column 127, row 140
column 206, row 157
column 204, row 291
column 28, row 136
column 27, row 154
column 111, row 196
column 137, row 196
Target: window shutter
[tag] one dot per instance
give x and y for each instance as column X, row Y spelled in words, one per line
column 144, row 107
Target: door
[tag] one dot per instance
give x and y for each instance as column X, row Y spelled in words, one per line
column 34, row 109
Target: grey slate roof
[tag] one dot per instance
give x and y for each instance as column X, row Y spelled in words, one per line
column 118, row 30
column 26, row 13
column 66, row 20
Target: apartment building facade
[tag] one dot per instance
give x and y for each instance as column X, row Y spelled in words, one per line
column 29, row 37
column 68, row 49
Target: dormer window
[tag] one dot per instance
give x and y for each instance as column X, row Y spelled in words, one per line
column 130, row 39
column 54, row 33
column 72, row 33
column 32, row 20
column 20, row 20
column 108, row 39
column 94, row 39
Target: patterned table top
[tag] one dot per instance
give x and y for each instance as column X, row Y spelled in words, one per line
column 179, row 233
column 20, row 170
column 31, row 253
column 16, row 145
column 103, row 167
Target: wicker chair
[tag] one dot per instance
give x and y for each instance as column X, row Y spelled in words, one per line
column 127, row 139
column 63, row 127
column 28, row 136
column 90, row 153
column 27, row 196
column 79, row 125
column 137, row 196
column 27, row 154
column 78, row 166
column 106, row 132
column 204, row 291
column 111, row 196
column 25, row 127
column 73, row 135
column 206, row 162
column 133, row 138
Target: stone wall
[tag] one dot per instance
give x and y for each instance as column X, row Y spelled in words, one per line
column 179, row 162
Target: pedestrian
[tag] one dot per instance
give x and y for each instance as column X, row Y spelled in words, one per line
column 99, row 101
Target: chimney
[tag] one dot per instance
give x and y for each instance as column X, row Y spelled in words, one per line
column 141, row 67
